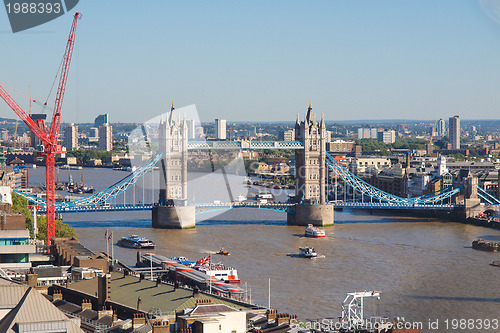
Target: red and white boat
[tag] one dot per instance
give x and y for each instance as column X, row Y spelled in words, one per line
column 312, row 231
column 217, row 270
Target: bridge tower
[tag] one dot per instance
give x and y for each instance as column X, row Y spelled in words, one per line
column 472, row 204
column 172, row 210
column 311, row 173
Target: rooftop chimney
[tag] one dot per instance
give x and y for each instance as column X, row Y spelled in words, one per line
column 139, row 303
column 103, row 288
column 86, row 304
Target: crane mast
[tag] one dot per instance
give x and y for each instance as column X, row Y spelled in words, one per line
column 49, row 138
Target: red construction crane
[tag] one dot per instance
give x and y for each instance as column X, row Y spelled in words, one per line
column 49, row 138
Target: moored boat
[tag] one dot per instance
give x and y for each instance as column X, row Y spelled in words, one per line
column 136, row 242
column 481, row 244
column 312, row 231
column 308, row 252
column 265, row 195
column 184, row 261
column 217, row 270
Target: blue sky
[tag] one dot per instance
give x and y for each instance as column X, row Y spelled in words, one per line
column 264, row 60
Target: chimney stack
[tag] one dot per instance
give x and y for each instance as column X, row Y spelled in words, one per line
column 161, row 327
column 139, row 303
column 32, row 279
column 103, row 288
column 57, row 295
column 138, row 320
column 105, row 311
column 86, row 304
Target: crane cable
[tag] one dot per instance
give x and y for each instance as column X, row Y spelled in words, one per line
column 24, row 95
column 53, row 83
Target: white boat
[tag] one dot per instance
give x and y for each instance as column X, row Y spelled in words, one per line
column 240, row 198
column 183, row 260
column 221, row 272
column 312, row 231
column 70, row 167
column 265, row 195
column 308, row 252
column 136, row 242
column 218, row 271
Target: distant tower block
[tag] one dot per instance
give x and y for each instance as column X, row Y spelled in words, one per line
column 311, row 174
column 172, row 211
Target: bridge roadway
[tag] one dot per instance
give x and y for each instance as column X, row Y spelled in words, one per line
column 280, row 207
column 233, row 145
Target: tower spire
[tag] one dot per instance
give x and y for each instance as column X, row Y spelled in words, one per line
column 309, row 113
column 171, row 118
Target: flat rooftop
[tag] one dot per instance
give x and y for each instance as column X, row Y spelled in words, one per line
column 125, row 290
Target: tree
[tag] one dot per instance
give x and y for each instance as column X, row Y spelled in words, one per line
column 83, row 156
column 62, row 230
column 442, row 143
column 458, row 157
column 20, row 204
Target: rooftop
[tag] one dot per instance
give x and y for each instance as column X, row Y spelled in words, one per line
column 126, row 290
column 31, row 308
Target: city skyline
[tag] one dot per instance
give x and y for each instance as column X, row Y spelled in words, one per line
column 356, row 61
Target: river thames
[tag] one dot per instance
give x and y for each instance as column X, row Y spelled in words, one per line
column 425, row 268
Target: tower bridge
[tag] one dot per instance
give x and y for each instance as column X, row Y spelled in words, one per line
column 313, row 166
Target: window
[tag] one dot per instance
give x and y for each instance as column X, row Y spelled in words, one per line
column 14, row 258
column 14, row 241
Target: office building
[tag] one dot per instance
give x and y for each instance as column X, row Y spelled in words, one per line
column 288, row 135
column 71, row 137
column 434, row 131
column 36, row 118
column 94, row 132
column 363, row 133
column 106, row 137
column 253, row 131
column 191, row 125
column 387, row 136
column 100, row 120
column 441, row 127
column 15, row 248
column 220, row 129
column 455, row 132
column 368, row 133
column 340, row 146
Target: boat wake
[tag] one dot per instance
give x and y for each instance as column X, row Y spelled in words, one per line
column 208, row 251
column 295, row 255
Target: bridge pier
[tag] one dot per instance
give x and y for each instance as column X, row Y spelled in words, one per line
column 318, row 215
column 472, row 207
column 472, row 203
column 174, row 217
